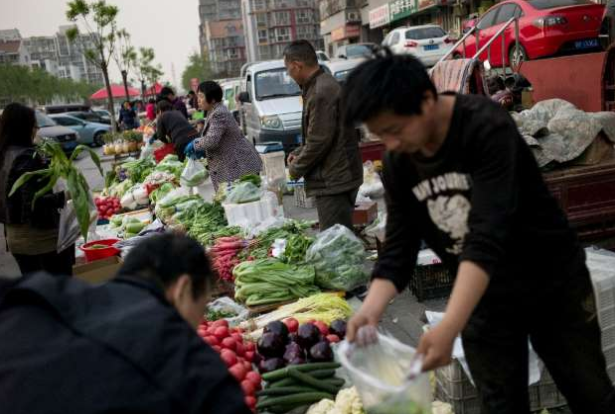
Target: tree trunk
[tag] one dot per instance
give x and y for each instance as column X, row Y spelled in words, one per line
column 143, row 89
column 125, row 80
column 110, row 106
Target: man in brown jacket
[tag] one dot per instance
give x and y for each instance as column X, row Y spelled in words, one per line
column 329, row 159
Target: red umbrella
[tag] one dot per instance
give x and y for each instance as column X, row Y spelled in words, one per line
column 116, row 90
column 154, row 89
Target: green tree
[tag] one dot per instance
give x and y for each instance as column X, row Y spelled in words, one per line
column 125, row 57
column 147, row 72
column 198, row 67
column 98, row 18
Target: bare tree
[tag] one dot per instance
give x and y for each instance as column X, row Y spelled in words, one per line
column 146, row 71
column 98, row 19
column 125, row 57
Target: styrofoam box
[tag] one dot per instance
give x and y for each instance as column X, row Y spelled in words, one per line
column 250, row 215
column 427, row 257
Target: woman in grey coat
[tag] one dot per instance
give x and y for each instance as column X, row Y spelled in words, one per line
column 229, row 154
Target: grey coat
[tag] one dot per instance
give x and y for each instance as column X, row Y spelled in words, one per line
column 229, row 154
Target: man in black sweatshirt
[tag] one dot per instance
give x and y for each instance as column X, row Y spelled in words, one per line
column 459, row 176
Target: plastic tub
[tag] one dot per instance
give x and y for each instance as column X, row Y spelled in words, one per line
column 98, row 254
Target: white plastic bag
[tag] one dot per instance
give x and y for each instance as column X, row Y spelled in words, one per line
column 380, row 373
column 194, row 174
column 372, row 186
column 338, row 257
column 227, row 304
column 69, row 230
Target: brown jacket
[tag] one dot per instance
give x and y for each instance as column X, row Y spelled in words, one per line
column 329, row 158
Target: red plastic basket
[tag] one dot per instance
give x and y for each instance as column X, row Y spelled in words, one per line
column 162, row 152
column 98, row 254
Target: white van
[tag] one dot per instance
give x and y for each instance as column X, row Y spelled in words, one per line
column 271, row 105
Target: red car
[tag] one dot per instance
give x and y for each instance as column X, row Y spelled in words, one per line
column 546, row 28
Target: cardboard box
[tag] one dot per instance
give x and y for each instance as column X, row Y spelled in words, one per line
column 365, row 213
column 98, row 271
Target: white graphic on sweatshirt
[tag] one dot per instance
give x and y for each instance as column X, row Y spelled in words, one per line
column 450, row 214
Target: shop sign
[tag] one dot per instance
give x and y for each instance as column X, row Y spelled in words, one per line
column 353, row 31
column 402, row 8
column 380, row 16
column 337, row 34
column 425, row 4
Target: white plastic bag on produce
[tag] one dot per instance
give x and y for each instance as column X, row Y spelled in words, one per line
column 380, row 372
column 377, row 229
column 69, row 230
column 339, row 259
column 136, row 196
column 194, row 174
column 226, row 304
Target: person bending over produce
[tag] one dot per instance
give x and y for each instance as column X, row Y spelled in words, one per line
column 229, row 154
column 127, row 346
column 329, row 159
column 172, row 124
column 459, row 175
column 31, row 234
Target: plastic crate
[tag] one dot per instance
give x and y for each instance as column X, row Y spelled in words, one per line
column 431, row 282
column 301, row 199
column 454, row 387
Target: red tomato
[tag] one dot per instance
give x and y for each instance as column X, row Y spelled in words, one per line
column 221, row 332
column 217, row 348
column 220, row 322
column 210, row 330
column 238, row 371
column 255, row 379
column 248, row 387
column 250, row 402
column 249, row 346
column 247, row 365
column 212, row 340
column 201, row 331
column 333, row 338
column 237, row 337
column 229, row 358
column 229, row 343
column 249, row 356
column 322, row 327
column 239, row 348
column 292, row 324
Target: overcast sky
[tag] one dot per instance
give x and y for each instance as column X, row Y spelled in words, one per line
column 169, row 26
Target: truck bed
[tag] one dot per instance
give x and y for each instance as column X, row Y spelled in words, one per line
column 587, row 196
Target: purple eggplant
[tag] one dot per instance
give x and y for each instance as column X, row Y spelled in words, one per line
column 338, row 327
column 293, row 350
column 271, row 345
column 271, row 364
column 277, row 327
column 308, row 335
column 321, row 352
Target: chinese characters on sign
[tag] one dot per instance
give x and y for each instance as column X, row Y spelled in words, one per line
column 402, row 8
column 380, row 16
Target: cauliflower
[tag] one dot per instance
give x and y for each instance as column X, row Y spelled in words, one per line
column 322, row 407
column 348, row 402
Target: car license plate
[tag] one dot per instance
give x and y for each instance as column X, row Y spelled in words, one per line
column 299, row 139
column 586, row 44
column 431, row 47
column 70, row 145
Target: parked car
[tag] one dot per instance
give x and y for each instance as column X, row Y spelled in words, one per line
column 341, row 68
column 356, row 51
column 59, row 109
column 428, row 43
column 90, row 133
column 271, row 105
column 49, row 129
column 91, row 116
column 546, row 28
column 322, row 56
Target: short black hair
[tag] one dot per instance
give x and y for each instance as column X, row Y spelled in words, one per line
column 151, row 100
column 301, row 51
column 163, row 106
column 166, row 91
column 395, row 83
column 17, row 123
column 164, row 258
column 211, row 90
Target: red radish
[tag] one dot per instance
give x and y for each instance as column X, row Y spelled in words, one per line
column 229, row 343
column 248, row 387
column 250, row 347
column 249, row 356
column 333, row 338
column 229, row 359
column 212, row 340
column 322, row 327
column 250, row 402
column 238, row 371
column 292, row 324
column 221, row 332
column 255, row 378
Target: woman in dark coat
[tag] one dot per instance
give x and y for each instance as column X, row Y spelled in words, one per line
column 31, row 234
column 229, row 154
column 172, row 127
column 128, row 117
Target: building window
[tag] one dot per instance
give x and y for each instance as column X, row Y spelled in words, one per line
column 281, row 18
column 282, row 34
column 262, row 36
column 261, row 19
column 259, row 5
column 303, row 16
